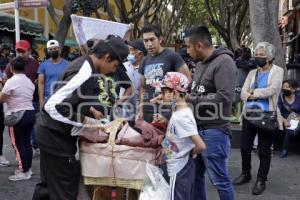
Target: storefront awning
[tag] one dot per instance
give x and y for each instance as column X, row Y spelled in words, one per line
column 69, row 42
column 27, row 27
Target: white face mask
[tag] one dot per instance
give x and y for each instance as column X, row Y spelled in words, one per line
column 131, row 58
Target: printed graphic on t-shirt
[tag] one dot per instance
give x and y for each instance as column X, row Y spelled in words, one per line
column 154, row 73
column 168, row 143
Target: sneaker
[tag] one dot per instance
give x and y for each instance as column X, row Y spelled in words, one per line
column 4, row 161
column 17, row 171
column 36, row 153
column 20, row 176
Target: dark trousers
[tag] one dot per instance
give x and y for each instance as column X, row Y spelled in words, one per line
column 265, row 141
column 20, row 139
column 1, row 128
column 59, row 176
column 34, row 143
column 182, row 185
column 289, row 135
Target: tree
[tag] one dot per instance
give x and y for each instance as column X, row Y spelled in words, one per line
column 195, row 14
column 86, row 8
column 264, row 25
column 145, row 12
column 230, row 18
column 169, row 15
column 132, row 13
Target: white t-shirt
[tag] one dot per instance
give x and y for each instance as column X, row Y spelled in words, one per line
column 178, row 143
column 20, row 91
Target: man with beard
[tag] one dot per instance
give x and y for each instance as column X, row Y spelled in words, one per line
column 50, row 70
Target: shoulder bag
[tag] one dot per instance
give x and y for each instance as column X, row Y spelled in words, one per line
column 13, row 118
column 265, row 121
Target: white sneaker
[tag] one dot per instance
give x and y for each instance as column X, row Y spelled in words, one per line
column 4, row 161
column 36, row 153
column 20, row 176
column 17, row 171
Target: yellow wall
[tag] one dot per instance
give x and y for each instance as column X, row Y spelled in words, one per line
column 28, row 13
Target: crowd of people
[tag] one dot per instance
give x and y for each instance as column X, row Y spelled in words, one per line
column 140, row 79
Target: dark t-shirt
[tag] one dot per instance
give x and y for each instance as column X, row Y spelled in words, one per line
column 3, row 62
column 122, row 80
column 153, row 68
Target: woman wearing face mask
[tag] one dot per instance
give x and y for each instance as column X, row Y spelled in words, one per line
column 289, row 105
column 260, row 91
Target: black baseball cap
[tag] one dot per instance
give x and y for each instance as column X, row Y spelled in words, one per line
column 119, row 48
column 138, row 44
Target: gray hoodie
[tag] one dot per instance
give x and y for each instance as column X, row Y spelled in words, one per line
column 212, row 98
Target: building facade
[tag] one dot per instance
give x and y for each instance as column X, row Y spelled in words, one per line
column 289, row 14
column 37, row 26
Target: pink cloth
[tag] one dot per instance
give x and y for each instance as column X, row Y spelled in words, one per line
column 20, row 90
column 94, row 136
column 120, row 161
column 150, row 137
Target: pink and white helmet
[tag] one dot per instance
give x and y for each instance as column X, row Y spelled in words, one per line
column 174, row 80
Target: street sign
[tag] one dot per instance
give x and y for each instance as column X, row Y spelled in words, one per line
column 7, row 6
column 32, row 3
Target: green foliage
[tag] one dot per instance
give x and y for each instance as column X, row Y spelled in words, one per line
column 196, row 14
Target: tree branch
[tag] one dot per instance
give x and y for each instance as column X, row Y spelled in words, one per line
column 52, row 13
column 111, row 14
column 212, row 18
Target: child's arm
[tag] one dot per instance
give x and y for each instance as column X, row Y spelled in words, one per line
column 200, row 145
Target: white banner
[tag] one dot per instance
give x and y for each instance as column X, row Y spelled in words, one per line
column 86, row 28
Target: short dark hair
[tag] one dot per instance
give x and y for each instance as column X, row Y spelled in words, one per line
column 101, row 48
column 152, row 28
column 199, row 34
column 292, row 83
column 18, row 64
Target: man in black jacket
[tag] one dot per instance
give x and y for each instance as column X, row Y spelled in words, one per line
column 211, row 97
column 73, row 105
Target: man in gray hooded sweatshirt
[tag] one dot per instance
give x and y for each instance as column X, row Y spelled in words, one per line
column 211, row 97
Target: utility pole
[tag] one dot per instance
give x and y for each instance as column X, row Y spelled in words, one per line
column 17, row 20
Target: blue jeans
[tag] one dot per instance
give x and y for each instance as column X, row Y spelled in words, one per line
column 34, row 143
column 215, row 160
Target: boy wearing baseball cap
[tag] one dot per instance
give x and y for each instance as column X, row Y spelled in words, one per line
column 182, row 142
column 74, row 103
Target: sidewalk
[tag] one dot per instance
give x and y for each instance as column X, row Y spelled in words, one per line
column 283, row 184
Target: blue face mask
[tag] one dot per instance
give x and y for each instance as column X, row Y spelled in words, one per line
column 131, row 58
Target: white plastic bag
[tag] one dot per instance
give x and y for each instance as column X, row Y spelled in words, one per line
column 156, row 187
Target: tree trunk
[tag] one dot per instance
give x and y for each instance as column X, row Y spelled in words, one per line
column 264, row 26
column 64, row 24
column 52, row 13
column 233, row 32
